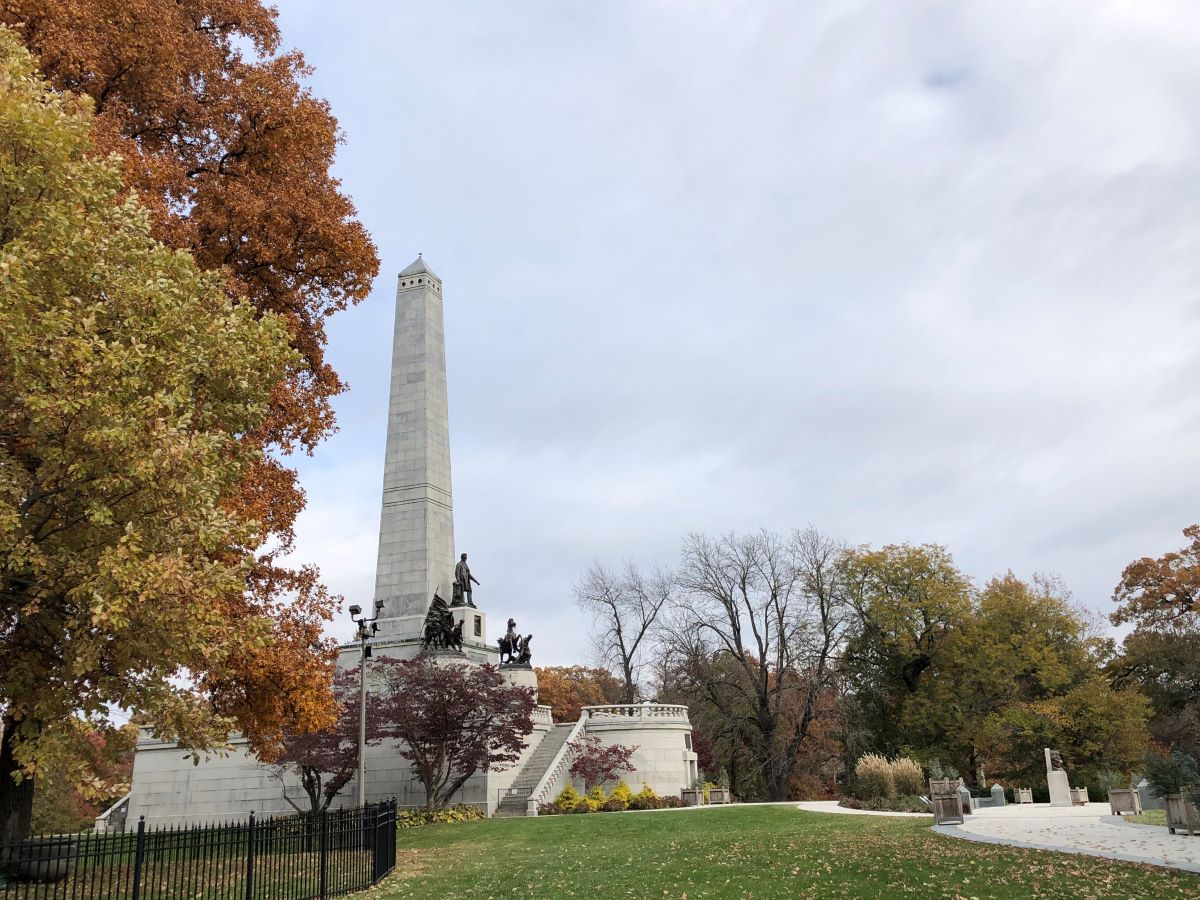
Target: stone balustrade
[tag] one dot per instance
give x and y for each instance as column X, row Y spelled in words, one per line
column 542, row 715
column 642, row 713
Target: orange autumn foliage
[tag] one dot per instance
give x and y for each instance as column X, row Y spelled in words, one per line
column 567, row 689
column 231, row 155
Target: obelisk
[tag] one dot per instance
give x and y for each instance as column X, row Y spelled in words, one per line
column 416, row 528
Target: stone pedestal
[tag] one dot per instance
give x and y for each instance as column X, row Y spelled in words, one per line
column 1060, row 788
column 520, row 676
column 474, row 624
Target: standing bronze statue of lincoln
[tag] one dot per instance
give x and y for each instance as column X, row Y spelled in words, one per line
column 463, row 579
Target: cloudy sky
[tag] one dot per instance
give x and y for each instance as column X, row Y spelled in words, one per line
column 913, row 271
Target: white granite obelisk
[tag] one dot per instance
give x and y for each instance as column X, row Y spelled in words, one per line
column 416, row 528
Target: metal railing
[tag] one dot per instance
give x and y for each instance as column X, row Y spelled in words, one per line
column 314, row 855
column 513, row 795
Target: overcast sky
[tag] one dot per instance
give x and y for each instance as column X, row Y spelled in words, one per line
column 920, row 272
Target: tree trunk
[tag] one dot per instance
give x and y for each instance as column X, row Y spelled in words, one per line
column 16, row 800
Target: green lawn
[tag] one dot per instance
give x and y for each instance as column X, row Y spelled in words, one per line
column 1149, row 817
column 744, row 851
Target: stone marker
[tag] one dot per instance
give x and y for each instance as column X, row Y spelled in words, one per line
column 1056, row 780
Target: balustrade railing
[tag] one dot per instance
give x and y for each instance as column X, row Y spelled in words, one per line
column 644, row 711
column 543, row 715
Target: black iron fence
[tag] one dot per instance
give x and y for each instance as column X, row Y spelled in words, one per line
column 287, row 858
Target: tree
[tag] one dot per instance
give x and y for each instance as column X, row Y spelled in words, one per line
column 907, row 601
column 231, row 156
column 1021, row 644
column 326, row 760
column 69, row 796
column 1095, row 728
column 454, row 721
column 624, row 609
column 596, row 762
column 1161, row 599
column 1156, row 593
column 567, row 689
column 126, row 379
column 757, row 631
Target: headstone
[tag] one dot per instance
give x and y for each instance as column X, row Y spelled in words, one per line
column 1056, row 780
column 964, row 797
column 997, row 795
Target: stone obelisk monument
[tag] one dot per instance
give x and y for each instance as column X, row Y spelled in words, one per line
column 416, row 527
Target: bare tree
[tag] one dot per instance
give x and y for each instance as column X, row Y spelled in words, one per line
column 756, row 632
column 624, row 608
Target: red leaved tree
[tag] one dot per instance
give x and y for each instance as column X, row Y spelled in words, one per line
column 596, row 762
column 453, row 721
column 325, row 761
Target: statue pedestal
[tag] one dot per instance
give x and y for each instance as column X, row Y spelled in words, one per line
column 1060, row 788
column 474, row 624
column 521, row 676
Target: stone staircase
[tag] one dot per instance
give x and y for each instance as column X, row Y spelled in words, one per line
column 531, row 773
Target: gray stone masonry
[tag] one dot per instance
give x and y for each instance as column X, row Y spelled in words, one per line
column 533, row 770
column 416, row 528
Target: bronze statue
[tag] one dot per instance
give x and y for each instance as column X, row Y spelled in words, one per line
column 524, row 655
column 510, row 644
column 462, row 582
column 1056, row 763
column 441, row 633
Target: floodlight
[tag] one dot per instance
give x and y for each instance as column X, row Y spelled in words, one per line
column 355, row 610
column 379, row 604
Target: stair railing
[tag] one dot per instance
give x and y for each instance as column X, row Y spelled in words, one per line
column 554, row 772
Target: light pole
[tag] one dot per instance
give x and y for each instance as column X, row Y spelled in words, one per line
column 364, row 633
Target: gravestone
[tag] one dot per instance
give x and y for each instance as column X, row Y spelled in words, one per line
column 998, row 796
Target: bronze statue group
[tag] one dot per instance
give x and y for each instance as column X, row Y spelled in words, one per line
column 442, row 633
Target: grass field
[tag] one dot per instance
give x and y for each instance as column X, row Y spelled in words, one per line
column 1150, row 817
column 744, row 851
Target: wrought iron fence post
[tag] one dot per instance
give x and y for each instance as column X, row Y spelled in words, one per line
column 321, row 866
column 250, row 858
column 138, row 856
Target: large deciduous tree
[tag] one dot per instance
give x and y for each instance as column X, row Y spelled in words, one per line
column 453, row 721
column 908, row 601
column 624, row 608
column 324, row 761
column 567, row 689
column 1021, row 649
column 126, row 377
column 1160, row 597
column 231, row 154
column 757, row 632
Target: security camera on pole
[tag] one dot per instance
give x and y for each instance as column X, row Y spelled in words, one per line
column 364, row 633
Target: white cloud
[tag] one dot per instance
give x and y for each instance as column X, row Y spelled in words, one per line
column 914, row 271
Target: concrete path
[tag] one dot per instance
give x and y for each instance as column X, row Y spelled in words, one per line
column 1092, row 830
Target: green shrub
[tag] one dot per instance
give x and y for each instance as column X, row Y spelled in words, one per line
column 908, row 777
column 671, row 801
column 415, row 818
column 646, row 798
column 596, row 797
column 619, row 799
column 567, row 799
column 873, row 778
column 887, row 804
column 1168, row 774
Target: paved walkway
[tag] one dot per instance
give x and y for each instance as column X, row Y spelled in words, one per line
column 1092, row 830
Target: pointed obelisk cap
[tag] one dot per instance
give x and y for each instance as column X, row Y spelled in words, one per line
column 418, row 267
